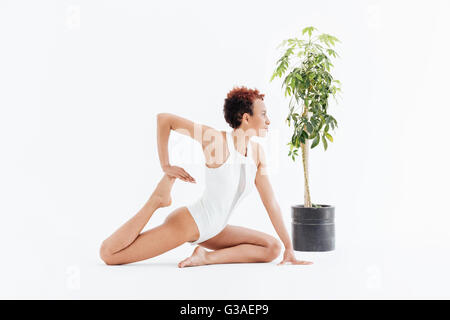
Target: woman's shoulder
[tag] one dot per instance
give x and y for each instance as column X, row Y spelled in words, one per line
column 215, row 150
column 257, row 152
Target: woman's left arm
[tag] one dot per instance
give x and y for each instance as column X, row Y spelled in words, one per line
column 273, row 209
column 268, row 199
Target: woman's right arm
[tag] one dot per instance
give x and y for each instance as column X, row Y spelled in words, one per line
column 166, row 123
column 163, row 133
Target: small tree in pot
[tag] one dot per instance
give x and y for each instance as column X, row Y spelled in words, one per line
column 309, row 85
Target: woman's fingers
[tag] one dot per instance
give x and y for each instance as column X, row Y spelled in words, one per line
column 181, row 174
column 188, row 176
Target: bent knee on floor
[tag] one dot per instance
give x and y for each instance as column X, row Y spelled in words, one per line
column 110, row 259
column 106, row 255
column 273, row 250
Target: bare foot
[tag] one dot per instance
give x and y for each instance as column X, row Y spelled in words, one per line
column 198, row 258
column 162, row 191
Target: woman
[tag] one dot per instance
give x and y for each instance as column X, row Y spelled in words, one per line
column 232, row 167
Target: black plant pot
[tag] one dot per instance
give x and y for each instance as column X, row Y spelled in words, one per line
column 313, row 228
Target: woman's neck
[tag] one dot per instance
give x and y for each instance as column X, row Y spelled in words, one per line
column 240, row 141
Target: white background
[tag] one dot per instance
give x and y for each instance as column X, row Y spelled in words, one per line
column 81, row 83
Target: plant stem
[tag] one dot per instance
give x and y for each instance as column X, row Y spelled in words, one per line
column 307, row 195
column 305, row 156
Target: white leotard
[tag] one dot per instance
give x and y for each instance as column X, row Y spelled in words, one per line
column 225, row 187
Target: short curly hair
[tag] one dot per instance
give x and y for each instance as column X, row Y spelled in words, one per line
column 239, row 101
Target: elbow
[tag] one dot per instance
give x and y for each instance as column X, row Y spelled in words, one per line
column 163, row 119
column 160, row 116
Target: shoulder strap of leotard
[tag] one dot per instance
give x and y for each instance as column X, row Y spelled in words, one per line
column 231, row 148
column 229, row 138
column 249, row 150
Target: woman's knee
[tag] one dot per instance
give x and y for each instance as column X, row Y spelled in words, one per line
column 106, row 255
column 273, row 249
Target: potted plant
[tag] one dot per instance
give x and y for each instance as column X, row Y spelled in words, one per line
column 309, row 85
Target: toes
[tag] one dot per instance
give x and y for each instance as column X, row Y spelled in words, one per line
column 183, row 263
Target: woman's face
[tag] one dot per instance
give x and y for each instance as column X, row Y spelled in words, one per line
column 258, row 124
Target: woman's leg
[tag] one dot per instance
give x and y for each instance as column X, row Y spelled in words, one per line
column 235, row 244
column 128, row 232
column 127, row 245
column 178, row 228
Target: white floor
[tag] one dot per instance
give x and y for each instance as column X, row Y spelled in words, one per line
column 390, row 273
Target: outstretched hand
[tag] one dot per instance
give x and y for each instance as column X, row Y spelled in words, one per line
column 289, row 258
column 178, row 172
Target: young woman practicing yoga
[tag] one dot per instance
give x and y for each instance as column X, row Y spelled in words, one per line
column 234, row 164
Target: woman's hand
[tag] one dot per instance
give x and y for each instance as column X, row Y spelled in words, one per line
column 178, row 172
column 289, row 258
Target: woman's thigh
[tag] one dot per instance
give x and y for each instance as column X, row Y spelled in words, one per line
column 232, row 236
column 178, row 228
column 182, row 219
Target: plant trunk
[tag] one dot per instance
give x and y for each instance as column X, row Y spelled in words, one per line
column 305, row 158
column 306, row 173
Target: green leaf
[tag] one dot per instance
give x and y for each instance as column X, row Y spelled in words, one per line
column 273, row 76
column 309, row 127
column 309, row 30
column 325, row 143
column 281, row 44
column 302, row 138
column 329, row 137
column 305, row 134
column 297, row 139
column 316, row 141
column 299, row 77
